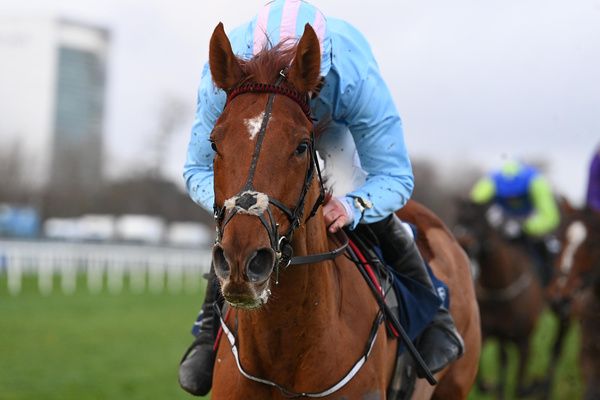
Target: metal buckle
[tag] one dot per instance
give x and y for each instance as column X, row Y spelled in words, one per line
column 362, row 205
column 284, row 259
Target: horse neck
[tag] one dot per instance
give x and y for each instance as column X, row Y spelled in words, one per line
column 500, row 262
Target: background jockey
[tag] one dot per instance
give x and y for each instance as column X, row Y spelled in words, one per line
column 525, row 209
column 354, row 106
column 593, row 190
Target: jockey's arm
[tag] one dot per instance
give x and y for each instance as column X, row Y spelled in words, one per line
column 546, row 216
column 367, row 107
column 483, row 191
column 198, row 169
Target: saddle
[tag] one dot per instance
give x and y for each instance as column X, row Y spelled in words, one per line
column 406, row 300
column 413, row 304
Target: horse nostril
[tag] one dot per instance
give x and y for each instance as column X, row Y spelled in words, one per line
column 260, row 265
column 220, row 263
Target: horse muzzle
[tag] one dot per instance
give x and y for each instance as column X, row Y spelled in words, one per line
column 244, row 283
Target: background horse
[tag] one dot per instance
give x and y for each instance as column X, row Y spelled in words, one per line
column 579, row 253
column 305, row 327
column 508, row 290
column 576, row 287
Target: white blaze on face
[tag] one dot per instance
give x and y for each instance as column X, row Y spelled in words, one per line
column 253, row 124
column 576, row 234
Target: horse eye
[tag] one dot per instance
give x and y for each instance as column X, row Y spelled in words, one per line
column 214, row 147
column 301, row 149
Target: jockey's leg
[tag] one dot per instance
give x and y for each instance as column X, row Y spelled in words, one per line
column 440, row 343
column 196, row 368
column 542, row 257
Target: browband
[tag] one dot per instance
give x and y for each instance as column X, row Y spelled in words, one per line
column 253, row 87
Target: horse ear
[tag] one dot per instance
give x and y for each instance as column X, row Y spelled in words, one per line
column 305, row 70
column 224, row 65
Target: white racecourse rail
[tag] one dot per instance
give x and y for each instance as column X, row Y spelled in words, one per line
column 153, row 268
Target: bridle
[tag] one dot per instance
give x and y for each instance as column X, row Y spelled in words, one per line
column 250, row 202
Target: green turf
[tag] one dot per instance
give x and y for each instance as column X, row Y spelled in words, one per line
column 127, row 346
column 87, row 346
column 567, row 384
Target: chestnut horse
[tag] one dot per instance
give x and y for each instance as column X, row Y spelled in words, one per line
column 508, row 290
column 577, row 286
column 305, row 329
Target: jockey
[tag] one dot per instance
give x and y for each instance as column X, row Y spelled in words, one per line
column 354, row 104
column 593, row 190
column 525, row 204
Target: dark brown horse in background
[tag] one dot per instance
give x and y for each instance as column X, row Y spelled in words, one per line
column 508, row 290
column 576, row 286
column 305, row 326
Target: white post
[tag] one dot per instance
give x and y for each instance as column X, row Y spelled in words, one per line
column 175, row 274
column 14, row 273
column 45, row 274
column 193, row 274
column 137, row 273
column 68, row 273
column 115, row 275
column 95, row 273
column 156, row 274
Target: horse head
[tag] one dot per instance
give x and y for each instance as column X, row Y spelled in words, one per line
column 579, row 255
column 472, row 227
column 264, row 161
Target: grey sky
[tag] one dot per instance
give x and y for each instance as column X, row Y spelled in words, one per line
column 474, row 81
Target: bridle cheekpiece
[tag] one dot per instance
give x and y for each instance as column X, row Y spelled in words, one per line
column 251, row 202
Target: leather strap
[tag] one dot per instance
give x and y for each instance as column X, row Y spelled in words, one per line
column 330, row 255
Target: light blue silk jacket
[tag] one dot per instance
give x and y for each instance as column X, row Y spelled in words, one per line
column 354, row 100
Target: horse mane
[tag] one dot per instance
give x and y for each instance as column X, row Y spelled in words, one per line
column 587, row 215
column 593, row 217
column 266, row 65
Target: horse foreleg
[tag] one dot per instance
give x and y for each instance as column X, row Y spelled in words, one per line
column 522, row 390
column 548, row 381
column 482, row 385
column 503, row 372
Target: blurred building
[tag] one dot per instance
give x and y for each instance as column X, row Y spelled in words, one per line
column 52, row 90
column 19, row 221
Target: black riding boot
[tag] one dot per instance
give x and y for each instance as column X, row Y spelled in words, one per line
column 544, row 260
column 440, row 343
column 196, row 368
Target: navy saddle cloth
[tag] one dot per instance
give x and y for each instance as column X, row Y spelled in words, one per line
column 413, row 304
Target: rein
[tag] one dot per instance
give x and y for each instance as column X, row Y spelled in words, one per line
column 249, row 201
column 507, row 293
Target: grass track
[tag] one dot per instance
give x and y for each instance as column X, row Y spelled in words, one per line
column 128, row 346
column 87, row 346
